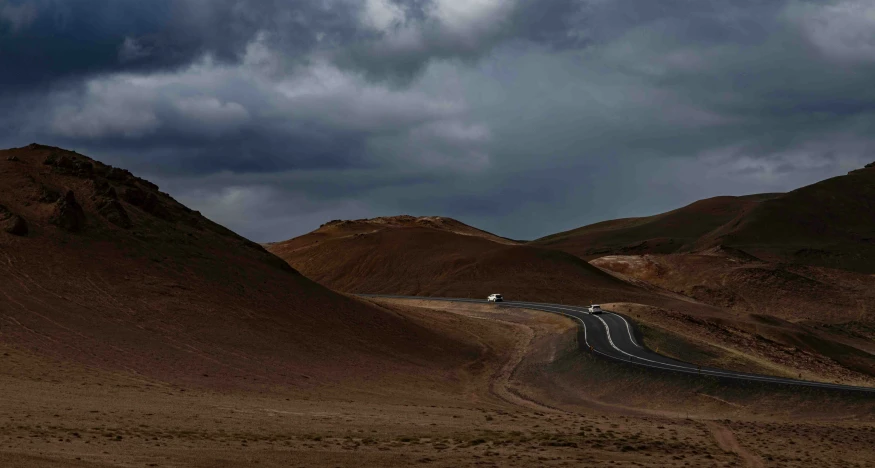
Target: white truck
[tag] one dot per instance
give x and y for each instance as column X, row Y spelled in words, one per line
column 595, row 309
column 495, row 298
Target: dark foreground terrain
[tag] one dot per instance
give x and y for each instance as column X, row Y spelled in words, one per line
column 527, row 398
column 135, row 332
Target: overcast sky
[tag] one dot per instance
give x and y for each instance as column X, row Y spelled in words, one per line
column 522, row 117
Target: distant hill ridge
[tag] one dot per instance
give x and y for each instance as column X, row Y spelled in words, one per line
column 407, row 221
column 439, row 256
column 670, row 232
column 830, row 223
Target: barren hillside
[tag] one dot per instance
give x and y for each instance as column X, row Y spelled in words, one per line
column 135, row 332
column 721, row 296
column 99, row 267
column 826, row 224
column 674, row 231
column 416, row 257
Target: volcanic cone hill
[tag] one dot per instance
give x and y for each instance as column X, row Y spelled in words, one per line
column 99, row 267
column 827, row 224
column 433, row 256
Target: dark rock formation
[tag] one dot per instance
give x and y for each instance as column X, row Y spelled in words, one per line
column 146, row 201
column 16, row 225
column 68, row 215
column 119, row 175
column 106, row 200
column 68, row 164
column 12, row 223
column 135, row 197
column 114, row 212
column 48, row 195
column 103, row 189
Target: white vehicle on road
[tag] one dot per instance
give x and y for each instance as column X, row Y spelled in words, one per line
column 495, row 298
column 595, row 309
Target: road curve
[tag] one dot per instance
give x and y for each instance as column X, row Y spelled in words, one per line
column 610, row 336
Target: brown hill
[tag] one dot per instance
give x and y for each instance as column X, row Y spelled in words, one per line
column 827, row 224
column 670, row 232
column 100, row 267
column 796, row 266
column 413, row 256
column 440, row 223
column 823, row 311
column 407, row 258
column 797, row 293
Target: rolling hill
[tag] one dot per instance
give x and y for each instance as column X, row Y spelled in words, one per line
column 100, row 268
column 826, row 224
column 675, row 231
column 724, row 270
column 433, row 256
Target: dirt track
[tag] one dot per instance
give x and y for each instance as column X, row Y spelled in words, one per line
column 727, row 441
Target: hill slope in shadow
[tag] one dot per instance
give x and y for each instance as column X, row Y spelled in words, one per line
column 99, row 267
column 826, row 224
column 406, row 256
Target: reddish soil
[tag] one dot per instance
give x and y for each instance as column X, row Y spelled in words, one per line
column 526, row 398
column 414, row 258
column 135, row 332
column 115, row 274
column 795, row 293
column 827, row 224
column 674, row 231
column 760, row 316
column 794, row 270
column 806, row 319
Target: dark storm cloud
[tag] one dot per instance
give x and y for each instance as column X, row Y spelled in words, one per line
column 708, row 21
column 186, row 155
column 521, row 116
column 62, row 40
column 46, row 41
column 193, row 122
column 403, row 49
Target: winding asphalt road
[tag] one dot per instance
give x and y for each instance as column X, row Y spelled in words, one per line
column 611, row 336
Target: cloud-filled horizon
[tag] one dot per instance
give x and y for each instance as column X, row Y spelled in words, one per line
column 520, row 117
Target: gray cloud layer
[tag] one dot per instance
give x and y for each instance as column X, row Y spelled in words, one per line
column 520, row 116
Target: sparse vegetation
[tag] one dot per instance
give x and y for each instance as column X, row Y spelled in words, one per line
column 174, row 342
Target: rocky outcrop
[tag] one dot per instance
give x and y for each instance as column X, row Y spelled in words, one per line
column 106, row 200
column 103, row 189
column 138, row 198
column 48, row 195
column 12, row 223
column 146, row 201
column 114, row 212
column 68, row 214
column 865, row 169
column 67, row 164
column 119, row 175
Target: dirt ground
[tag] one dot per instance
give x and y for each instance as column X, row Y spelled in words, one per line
column 738, row 346
column 528, row 399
